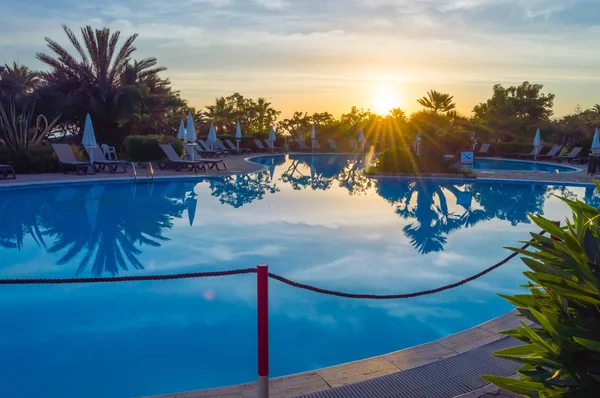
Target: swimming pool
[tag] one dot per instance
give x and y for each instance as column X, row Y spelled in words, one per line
column 315, row 219
column 517, row 165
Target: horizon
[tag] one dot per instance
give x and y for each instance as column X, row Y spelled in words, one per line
column 318, row 57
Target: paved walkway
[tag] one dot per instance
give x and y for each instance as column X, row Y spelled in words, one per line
column 235, row 165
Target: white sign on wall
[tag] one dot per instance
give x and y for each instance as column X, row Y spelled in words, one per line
column 467, row 157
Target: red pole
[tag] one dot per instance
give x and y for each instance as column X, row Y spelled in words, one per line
column 557, row 223
column 262, row 295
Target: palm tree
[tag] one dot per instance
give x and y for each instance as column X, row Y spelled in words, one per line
column 595, row 108
column 101, row 78
column 18, row 79
column 221, row 114
column 101, row 63
column 265, row 114
column 437, row 102
column 398, row 114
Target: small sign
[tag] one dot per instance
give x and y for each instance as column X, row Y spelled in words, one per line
column 467, row 157
column 464, row 199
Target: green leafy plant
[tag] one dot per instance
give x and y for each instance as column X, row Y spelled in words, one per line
column 400, row 160
column 35, row 159
column 20, row 130
column 561, row 357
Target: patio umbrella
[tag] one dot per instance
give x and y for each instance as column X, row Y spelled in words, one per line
column 418, row 144
column 238, row 135
column 92, row 205
column 191, row 202
column 272, row 169
column 181, row 131
column 212, row 136
column 272, row 137
column 190, row 133
column 537, row 143
column 361, row 139
column 313, row 136
column 89, row 138
column 596, row 142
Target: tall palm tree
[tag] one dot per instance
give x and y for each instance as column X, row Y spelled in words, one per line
column 101, row 63
column 18, row 79
column 101, row 78
column 221, row 114
column 398, row 114
column 437, row 102
column 265, row 114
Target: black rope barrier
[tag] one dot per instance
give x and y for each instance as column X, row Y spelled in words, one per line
column 279, row 278
column 59, row 281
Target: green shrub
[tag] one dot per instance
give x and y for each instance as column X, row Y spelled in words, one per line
column 402, row 161
column 561, row 357
column 35, row 159
column 146, row 148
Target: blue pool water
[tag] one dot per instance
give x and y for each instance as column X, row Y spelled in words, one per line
column 515, row 165
column 316, row 220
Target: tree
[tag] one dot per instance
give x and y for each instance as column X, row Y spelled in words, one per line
column 17, row 79
column 437, row 102
column 515, row 107
column 101, row 79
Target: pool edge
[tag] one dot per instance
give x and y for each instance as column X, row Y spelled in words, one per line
column 369, row 368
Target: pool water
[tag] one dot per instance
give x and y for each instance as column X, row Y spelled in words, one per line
column 314, row 219
column 516, row 165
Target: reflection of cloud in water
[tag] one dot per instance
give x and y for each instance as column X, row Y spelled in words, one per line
column 357, row 235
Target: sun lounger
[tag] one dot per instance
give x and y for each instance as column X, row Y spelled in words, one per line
column 196, row 165
column 233, row 148
column 67, row 160
column 272, row 147
column 219, row 146
column 484, row 150
column 100, row 162
column 333, row 145
column 302, row 145
column 571, row 157
column 260, row 145
column 6, row 170
column 523, row 155
column 209, row 153
column 197, row 155
column 553, row 152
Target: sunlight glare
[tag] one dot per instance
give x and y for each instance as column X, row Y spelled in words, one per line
column 385, row 99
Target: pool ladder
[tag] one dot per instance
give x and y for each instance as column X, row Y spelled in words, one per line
column 149, row 171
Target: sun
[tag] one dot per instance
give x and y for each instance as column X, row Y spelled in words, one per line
column 384, row 99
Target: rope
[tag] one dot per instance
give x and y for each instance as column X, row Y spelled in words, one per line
column 271, row 275
column 59, row 281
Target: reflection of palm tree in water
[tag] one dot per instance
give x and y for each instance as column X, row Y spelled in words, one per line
column 113, row 240
column 19, row 217
column 239, row 190
column 427, row 203
column 510, row 202
column 324, row 170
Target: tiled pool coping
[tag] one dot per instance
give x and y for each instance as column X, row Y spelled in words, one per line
column 352, row 372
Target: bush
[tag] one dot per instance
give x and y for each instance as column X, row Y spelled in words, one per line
column 561, row 356
column 35, row 159
column 146, row 148
column 401, row 160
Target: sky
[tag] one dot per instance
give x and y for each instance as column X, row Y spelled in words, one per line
column 325, row 55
